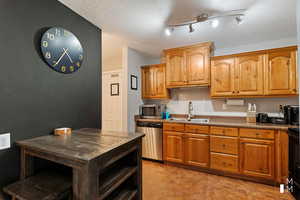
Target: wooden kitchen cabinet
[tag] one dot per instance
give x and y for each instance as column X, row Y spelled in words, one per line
column 197, row 150
column 188, row 66
column 173, row 147
column 249, row 72
column 281, row 73
column 263, row 73
column 154, row 82
column 176, row 69
column 222, row 77
column 257, row 158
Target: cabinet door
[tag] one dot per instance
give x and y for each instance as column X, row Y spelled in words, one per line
column 173, row 147
column 160, row 81
column 222, row 77
column 197, row 150
column 176, row 70
column 147, row 82
column 249, row 75
column 281, row 73
column 257, row 158
column 198, row 66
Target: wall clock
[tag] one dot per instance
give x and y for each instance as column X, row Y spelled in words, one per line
column 61, row 50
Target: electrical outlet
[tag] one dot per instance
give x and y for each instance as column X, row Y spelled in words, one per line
column 224, row 106
column 4, row 141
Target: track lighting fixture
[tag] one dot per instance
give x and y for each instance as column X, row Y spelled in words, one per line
column 191, row 29
column 214, row 20
column 239, row 19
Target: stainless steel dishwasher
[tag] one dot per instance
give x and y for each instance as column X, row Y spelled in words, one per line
column 152, row 142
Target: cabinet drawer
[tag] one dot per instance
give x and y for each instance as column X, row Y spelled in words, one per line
column 224, row 162
column 224, row 144
column 256, row 133
column 173, row 127
column 189, row 128
column 226, row 131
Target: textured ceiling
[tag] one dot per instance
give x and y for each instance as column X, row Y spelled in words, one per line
column 141, row 22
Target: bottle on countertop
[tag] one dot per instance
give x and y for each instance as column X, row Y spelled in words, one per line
column 251, row 113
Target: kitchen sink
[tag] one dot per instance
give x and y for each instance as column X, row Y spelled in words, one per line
column 199, row 120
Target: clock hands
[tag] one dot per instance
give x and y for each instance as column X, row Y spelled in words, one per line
column 66, row 50
column 64, row 53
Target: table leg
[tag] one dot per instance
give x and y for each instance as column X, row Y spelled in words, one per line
column 86, row 183
column 27, row 165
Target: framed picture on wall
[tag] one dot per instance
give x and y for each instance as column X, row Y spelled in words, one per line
column 134, row 82
column 114, row 89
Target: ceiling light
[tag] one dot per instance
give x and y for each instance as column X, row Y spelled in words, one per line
column 191, row 29
column 168, row 31
column 239, row 19
column 215, row 23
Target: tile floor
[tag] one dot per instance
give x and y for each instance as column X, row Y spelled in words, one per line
column 162, row 182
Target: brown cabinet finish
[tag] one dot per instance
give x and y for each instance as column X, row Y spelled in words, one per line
column 263, row 73
column 281, row 73
column 224, row 162
column 190, row 128
column 249, row 75
column 225, row 131
column 198, row 66
column 197, row 150
column 257, row 158
column 154, row 82
column 256, row 133
column 188, row 66
column 173, row 147
column 222, row 77
column 173, row 127
column 221, row 144
column 176, row 70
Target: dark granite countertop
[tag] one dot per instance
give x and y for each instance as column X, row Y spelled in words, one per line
column 228, row 122
column 83, row 144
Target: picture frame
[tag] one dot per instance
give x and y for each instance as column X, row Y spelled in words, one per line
column 114, row 89
column 134, row 82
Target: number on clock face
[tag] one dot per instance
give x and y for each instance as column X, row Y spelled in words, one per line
column 62, row 50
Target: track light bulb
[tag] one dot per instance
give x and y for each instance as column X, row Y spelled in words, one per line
column 168, row 31
column 215, row 23
column 191, row 29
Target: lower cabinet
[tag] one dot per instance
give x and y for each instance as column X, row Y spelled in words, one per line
column 173, row 147
column 197, row 150
column 224, row 162
column 247, row 152
column 257, row 158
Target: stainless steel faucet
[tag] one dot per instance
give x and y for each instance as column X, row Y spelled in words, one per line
column 190, row 109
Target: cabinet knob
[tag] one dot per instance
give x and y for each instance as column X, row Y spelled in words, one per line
column 224, row 145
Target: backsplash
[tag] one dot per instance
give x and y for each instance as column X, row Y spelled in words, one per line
column 203, row 104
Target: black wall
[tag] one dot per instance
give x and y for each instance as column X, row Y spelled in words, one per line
column 35, row 99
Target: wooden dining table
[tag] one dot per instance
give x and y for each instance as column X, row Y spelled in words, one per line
column 87, row 151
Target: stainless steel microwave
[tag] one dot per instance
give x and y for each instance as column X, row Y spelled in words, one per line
column 152, row 110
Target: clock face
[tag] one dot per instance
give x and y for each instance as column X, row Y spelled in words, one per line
column 62, row 50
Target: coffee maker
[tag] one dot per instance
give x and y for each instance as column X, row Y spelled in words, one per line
column 291, row 114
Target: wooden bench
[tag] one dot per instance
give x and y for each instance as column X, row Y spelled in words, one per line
column 43, row 186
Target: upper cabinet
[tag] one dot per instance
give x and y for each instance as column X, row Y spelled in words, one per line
column 188, row 66
column 281, row 73
column 222, row 77
column 262, row 73
column 249, row 75
column 176, row 69
column 154, row 82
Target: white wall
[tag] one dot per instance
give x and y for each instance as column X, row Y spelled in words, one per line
column 257, row 46
column 133, row 60
column 112, row 55
column 204, row 105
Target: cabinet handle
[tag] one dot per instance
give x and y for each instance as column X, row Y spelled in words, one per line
column 238, row 92
column 224, row 145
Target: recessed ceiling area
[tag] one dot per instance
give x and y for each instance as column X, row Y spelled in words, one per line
column 142, row 22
